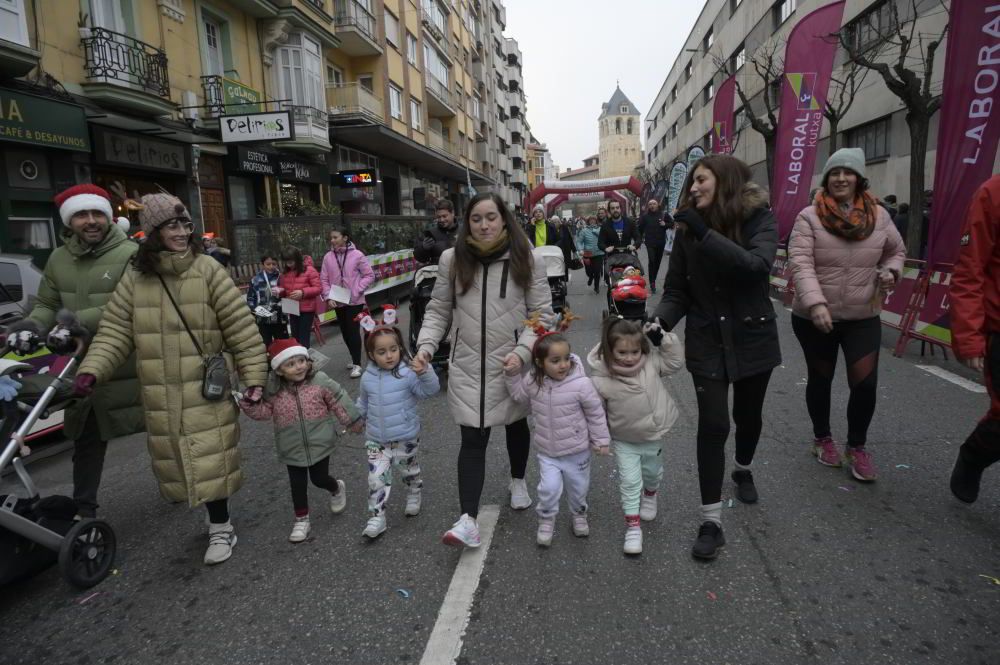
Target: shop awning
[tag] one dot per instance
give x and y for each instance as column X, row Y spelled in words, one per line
column 381, row 140
column 160, row 128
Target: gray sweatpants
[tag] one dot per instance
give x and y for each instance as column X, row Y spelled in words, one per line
column 573, row 471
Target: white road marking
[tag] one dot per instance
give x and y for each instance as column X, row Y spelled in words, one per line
column 971, row 386
column 445, row 643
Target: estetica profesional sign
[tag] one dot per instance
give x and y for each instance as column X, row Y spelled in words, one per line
column 247, row 127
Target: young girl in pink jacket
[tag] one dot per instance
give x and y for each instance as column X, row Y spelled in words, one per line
column 568, row 422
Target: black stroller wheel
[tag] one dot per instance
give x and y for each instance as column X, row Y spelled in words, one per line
column 87, row 553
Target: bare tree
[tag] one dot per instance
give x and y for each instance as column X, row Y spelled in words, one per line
column 768, row 62
column 844, row 87
column 889, row 44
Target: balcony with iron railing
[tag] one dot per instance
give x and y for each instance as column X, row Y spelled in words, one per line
column 353, row 100
column 123, row 71
column 312, row 128
column 357, row 29
column 440, row 101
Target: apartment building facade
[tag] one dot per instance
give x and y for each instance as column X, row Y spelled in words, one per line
column 733, row 32
column 376, row 106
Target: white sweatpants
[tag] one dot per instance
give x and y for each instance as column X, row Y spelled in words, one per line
column 571, row 470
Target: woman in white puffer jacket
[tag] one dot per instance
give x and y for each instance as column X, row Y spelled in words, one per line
column 487, row 286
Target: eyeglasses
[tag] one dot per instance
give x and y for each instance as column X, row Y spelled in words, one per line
column 177, row 224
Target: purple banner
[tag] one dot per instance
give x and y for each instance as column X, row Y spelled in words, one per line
column 809, row 60
column 969, row 126
column 722, row 117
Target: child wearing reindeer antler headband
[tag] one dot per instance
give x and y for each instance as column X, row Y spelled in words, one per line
column 389, row 393
column 569, row 422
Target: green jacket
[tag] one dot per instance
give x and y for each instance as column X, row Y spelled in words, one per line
column 82, row 278
column 303, row 416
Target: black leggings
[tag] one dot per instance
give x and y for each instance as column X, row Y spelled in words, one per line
column 713, row 426
column 350, row 330
column 655, row 255
column 861, row 341
column 302, row 327
column 298, row 477
column 218, row 511
column 595, row 272
column 472, row 460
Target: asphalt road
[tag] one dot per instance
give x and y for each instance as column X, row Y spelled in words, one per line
column 822, row 570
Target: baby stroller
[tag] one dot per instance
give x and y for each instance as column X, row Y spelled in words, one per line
column 423, row 286
column 627, row 293
column 555, row 271
column 37, row 532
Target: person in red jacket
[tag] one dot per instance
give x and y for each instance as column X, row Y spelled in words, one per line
column 300, row 282
column 975, row 330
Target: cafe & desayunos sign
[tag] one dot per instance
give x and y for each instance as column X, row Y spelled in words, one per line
column 249, row 127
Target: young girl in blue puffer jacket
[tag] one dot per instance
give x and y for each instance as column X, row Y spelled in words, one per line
column 389, row 393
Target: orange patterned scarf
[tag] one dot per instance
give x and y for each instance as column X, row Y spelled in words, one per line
column 855, row 223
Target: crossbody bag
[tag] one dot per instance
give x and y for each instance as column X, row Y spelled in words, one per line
column 215, row 383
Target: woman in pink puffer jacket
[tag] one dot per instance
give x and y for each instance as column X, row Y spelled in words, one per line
column 568, row 421
column 845, row 255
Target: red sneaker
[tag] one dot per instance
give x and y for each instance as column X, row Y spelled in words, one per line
column 861, row 464
column 826, row 453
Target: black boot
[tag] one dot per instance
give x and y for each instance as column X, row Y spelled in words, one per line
column 965, row 479
column 710, row 541
column 746, row 491
column 979, row 451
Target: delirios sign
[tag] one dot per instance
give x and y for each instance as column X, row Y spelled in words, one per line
column 358, row 178
column 248, row 127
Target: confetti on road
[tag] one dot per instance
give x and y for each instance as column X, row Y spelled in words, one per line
column 846, row 489
column 404, row 593
column 712, row 596
column 730, row 503
column 902, row 466
column 89, row 598
column 993, row 580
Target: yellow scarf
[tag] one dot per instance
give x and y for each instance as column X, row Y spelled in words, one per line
column 488, row 249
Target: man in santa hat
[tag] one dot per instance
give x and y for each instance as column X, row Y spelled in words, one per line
column 79, row 279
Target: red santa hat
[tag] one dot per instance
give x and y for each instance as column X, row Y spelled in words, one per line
column 79, row 198
column 285, row 349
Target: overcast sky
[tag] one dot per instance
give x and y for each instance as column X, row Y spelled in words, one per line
column 575, row 50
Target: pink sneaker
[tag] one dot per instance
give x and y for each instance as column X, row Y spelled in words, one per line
column 826, row 453
column 861, row 464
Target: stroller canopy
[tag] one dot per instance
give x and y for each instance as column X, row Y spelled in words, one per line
column 555, row 262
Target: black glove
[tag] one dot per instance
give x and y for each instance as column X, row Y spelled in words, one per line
column 654, row 332
column 24, row 337
column 694, row 222
column 62, row 339
column 428, row 242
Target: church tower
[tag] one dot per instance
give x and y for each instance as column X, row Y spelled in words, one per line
column 620, row 142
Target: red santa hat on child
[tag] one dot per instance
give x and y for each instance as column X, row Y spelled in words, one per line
column 83, row 197
column 285, row 349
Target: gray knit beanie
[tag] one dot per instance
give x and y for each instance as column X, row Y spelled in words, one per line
column 846, row 158
column 159, row 209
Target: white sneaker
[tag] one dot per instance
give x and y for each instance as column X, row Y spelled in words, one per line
column 463, row 533
column 300, row 530
column 647, row 507
column 413, row 502
column 546, row 525
column 519, row 497
column 581, row 528
column 356, row 371
column 349, row 366
column 338, row 501
column 633, row 540
column 221, row 540
column 375, row 528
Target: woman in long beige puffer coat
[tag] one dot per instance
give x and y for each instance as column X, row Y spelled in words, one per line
column 192, row 441
column 486, row 287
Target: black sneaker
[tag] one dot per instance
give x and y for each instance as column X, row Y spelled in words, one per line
column 710, row 540
column 746, row 491
column 965, row 479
